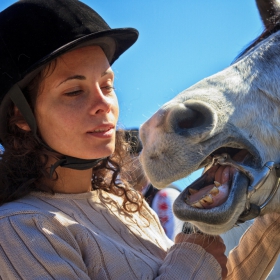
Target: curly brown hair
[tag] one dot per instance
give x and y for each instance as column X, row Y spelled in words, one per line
column 23, row 167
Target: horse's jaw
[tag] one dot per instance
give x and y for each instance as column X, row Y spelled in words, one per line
column 216, row 220
column 219, row 218
column 223, row 212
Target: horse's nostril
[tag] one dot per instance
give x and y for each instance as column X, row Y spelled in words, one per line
column 189, row 118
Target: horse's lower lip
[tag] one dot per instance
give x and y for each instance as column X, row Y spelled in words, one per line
column 220, row 217
column 225, row 214
column 215, row 187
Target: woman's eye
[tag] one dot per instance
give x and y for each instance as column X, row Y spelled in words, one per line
column 108, row 88
column 73, row 93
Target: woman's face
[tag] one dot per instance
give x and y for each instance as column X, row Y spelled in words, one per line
column 76, row 108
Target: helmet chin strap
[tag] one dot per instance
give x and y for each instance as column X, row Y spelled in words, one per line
column 74, row 163
column 18, row 98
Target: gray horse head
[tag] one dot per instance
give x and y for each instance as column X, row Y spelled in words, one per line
column 228, row 124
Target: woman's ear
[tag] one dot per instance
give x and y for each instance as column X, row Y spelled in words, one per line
column 22, row 124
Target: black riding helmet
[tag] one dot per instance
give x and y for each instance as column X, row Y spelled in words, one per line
column 33, row 33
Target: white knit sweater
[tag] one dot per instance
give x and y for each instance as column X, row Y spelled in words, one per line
column 86, row 236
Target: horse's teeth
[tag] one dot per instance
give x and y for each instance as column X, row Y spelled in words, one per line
column 207, row 199
column 192, row 191
column 214, row 191
column 197, row 204
column 217, row 184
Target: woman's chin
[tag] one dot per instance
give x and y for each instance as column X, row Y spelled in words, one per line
column 101, row 153
column 87, row 152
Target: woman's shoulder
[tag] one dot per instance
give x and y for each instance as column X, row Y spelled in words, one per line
column 27, row 207
column 20, row 206
column 29, row 214
column 42, row 203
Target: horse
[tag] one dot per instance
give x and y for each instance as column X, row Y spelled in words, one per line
column 229, row 125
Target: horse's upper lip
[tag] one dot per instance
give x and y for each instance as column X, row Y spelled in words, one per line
column 254, row 161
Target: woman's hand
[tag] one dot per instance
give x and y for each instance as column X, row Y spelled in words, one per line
column 213, row 245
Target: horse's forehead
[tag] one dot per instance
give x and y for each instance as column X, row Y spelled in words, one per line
column 257, row 71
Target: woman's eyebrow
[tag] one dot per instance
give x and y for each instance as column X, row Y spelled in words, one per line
column 107, row 73
column 75, row 77
column 80, row 77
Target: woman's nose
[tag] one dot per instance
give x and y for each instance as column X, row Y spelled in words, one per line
column 100, row 102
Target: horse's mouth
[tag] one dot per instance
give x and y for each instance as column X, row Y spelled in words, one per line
column 219, row 194
column 217, row 181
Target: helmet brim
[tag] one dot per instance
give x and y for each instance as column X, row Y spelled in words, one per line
column 113, row 42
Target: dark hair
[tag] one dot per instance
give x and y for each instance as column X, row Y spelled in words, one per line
column 132, row 137
column 23, row 164
column 135, row 175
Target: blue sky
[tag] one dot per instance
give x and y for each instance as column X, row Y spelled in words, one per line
column 180, row 43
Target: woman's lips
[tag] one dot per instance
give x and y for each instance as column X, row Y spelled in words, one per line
column 104, row 131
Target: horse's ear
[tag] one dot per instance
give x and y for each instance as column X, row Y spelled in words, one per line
column 269, row 11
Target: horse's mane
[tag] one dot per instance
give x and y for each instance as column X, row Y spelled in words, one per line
column 271, row 29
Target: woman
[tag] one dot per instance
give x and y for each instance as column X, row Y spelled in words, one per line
column 64, row 213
